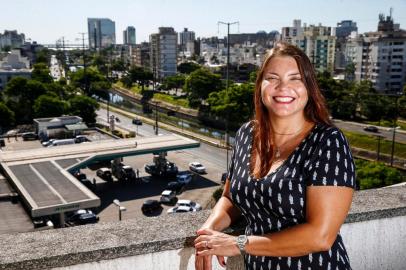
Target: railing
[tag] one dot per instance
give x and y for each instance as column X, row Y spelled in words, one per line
column 374, row 234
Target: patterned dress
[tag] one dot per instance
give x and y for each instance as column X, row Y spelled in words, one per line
column 278, row 200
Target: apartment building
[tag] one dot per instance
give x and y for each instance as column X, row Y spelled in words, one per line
column 380, row 56
column 187, row 42
column 11, row 39
column 101, row 32
column 318, row 42
column 13, row 65
column 163, row 52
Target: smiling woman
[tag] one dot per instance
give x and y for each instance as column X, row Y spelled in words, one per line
column 291, row 177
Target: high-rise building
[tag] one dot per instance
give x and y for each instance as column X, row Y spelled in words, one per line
column 318, row 42
column 163, row 52
column 343, row 31
column 380, row 56
column 187, row 41
column 101, row 32
column 129, row 36
column 12, row 39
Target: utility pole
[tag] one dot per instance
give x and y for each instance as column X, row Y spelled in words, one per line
column 394, row 130
column 84, row 63
column 156, row 117
column 227, row 75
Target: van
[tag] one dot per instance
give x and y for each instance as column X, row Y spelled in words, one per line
column 62, row 142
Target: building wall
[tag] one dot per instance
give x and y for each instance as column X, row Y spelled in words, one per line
column 101, row 32
column 163, row 52
column 12, row 39
column 373, row 244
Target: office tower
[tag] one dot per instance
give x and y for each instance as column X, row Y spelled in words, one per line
column 101, row 32
column 12, row 39
column 129, row 36
column 163, row 52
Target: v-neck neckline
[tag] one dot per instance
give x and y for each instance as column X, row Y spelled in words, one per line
column 290, row 156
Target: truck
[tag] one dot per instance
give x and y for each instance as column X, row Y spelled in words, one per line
column 121, row 171
column 161, row 167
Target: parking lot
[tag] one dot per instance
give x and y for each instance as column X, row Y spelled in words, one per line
column 133, row 193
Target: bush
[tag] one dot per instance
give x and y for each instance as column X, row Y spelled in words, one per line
column 376, row 174
column 217, row 194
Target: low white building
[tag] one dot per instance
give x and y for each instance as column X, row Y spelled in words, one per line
column 13, row 65
column 54, row 127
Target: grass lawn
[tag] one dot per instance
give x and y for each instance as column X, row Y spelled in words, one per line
column 369, row 142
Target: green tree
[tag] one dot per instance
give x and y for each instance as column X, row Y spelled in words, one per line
column 236, row 104
column 139, row 75
column 84, row 107
column 188, row 67
column 21, row 94
column 100, row 89
column 200, row 83
column 376, row 174
column 6, row 116
column 49, row 106
column 174, row 82
column 41, row 73
column 42, row 56
column 80, row 78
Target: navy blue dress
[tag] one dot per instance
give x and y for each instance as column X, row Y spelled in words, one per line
column 278, row 200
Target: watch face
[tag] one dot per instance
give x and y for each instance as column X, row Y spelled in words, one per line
column 241, row 241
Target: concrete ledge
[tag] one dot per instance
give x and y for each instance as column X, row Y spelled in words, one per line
column 108, row 241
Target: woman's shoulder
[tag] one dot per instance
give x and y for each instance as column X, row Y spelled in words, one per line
column 246, row 128
column 326, row 132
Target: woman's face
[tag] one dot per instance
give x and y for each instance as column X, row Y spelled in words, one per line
column 282, row 90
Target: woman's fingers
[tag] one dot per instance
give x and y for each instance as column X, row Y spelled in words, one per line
column 221, row 260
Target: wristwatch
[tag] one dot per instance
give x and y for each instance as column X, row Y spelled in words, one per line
column 242, row 240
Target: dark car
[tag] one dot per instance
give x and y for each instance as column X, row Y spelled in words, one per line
column 176, row 186
column 137, row 122
column 79, row 175
column 371, row 129
column 83, row 216
column 29, row 136
column 150, row 206
column 105, row 174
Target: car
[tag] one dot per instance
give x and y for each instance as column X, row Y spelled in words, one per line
column 371, row 129
column 105, row 174
column 29, row 136
column 81, row 138
column 87, row 183
column 48, row 143
column 189, row 203
column 79, row 175
column 184, row 177
column 83, row 216
column 150, row 206
column 137, row 122
column 180, row 209
column 168, row 197
column 178, row 187
column 196, row 166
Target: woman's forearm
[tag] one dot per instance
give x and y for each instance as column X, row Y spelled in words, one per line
column 223, row 214
column 299, row 240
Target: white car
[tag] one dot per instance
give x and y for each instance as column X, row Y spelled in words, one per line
column 189, row 203
column 197, row 167
column 180, row 209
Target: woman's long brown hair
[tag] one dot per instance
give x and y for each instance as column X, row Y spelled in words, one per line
column 315, row 110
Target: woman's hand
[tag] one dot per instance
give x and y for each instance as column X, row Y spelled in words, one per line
column 210, row 242
column 204, row 262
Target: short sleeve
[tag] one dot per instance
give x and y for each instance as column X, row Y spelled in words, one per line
column 242, row 139
column 332, row 163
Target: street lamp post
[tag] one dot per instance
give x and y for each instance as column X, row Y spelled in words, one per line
column 120, row 208
column 227, row 76
column 394, row 129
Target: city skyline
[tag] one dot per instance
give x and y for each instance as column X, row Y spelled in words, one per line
column 201, row 17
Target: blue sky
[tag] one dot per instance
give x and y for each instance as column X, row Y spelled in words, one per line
column 47, row 20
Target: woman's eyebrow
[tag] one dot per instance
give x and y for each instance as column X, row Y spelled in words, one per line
column 294, row 74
